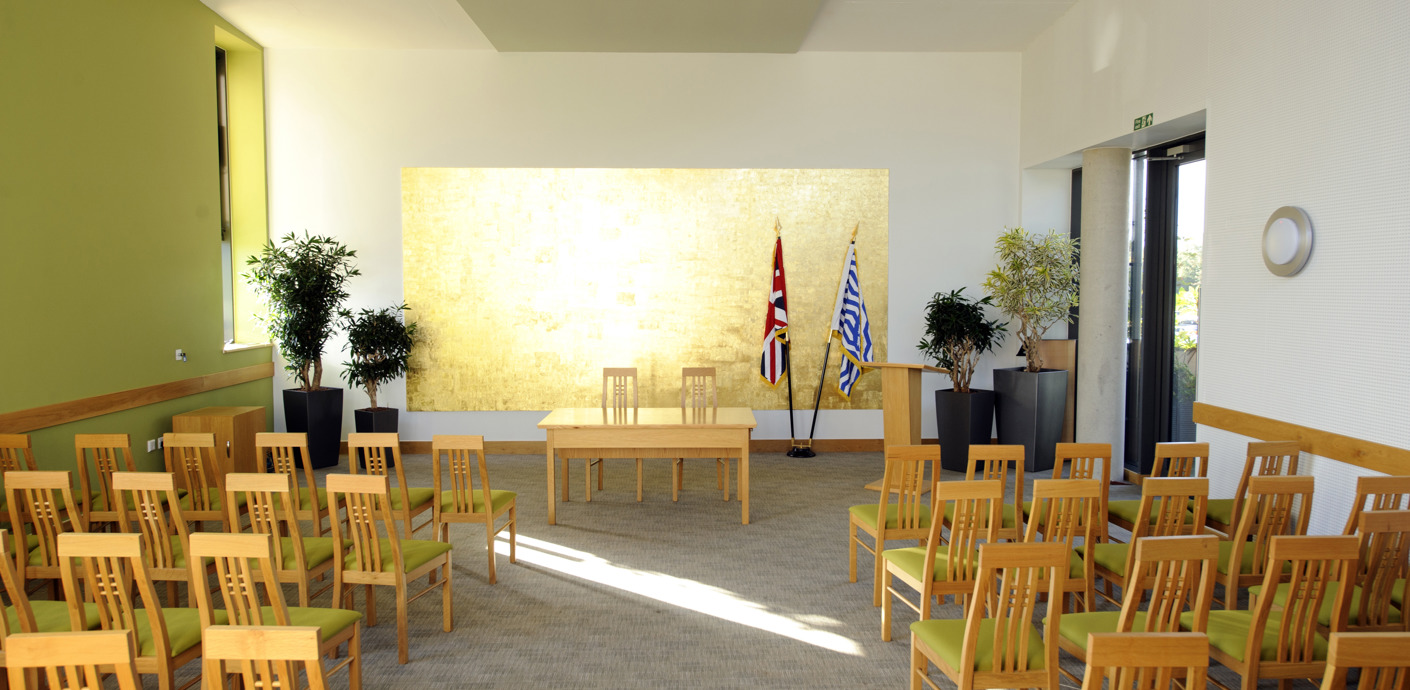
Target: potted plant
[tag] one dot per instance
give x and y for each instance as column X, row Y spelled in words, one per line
column 956, row 334
column 301, row 282
column 1035, row 284
column 379, row 343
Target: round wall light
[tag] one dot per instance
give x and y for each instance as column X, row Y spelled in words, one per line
column 1287, row 241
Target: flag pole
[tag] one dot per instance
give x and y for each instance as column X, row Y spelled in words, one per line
column 817, row 400
column 795, row 450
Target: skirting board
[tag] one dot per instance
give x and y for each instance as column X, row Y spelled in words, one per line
column 831, row 445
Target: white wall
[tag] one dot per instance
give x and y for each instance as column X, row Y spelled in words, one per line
column 342, row 124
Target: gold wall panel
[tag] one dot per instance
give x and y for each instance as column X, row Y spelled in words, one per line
column 527, row 282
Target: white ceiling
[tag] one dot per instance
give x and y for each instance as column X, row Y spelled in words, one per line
column 839, row 25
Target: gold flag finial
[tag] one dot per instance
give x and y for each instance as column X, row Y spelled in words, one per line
column 778, row 228
column 854, row 230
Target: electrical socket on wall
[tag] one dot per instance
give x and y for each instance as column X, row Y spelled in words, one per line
column 180, row 355
column 161, row 442
column 151, row 445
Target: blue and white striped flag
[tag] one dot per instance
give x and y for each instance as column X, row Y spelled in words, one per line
column 850, row 325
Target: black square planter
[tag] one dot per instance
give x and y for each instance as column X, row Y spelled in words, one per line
column 962, row 419
column 1030, row 408
column 318, row 413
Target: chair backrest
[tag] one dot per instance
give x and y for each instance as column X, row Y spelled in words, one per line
column 1011, row 576
column 1385, row 543
column 365, row 500
column 244, row 568
column 107, row 453
column 1309, row 564
column 382, row 455
column 1268, row 512
column 1178, row 574
column 270, row 504
column 1169, row 500
column 698, row 389
column 71, row 660
column 465, row 457
column 16, row 453
column 263, row 656
column 975, row 520
column 1146, row 661
column 1181, row 460
column 990, row 461
column 619, row 389
column 1380, row 657
column 1085, row 461
column 911, row 472
column 110, row 568
column 192, row 459
column 1264, row 459
column 1384, row 493
column 19, row 599
column 156, row 512
column 286, row 453
column 44, row 501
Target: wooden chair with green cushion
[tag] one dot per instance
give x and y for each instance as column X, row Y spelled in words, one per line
column 996, row 644
column 380, row 455
column 157, row 517
column 1177, row 573
column 934, row 571
column 251, row 595
column 16, row 455
column 110, row 569
column 1070, row 512
column 1272, row 642
column 287, row 453
column 264, row 656
column 1264, row 459
column 73, row 659
column 41, row 508
column 911, row 472
column 1147, row 661
column 469, row 493
column 988, row 461
column 1171, row 460
column 104, row 454
column 1081, row 461
column 38, row 616
column 300, row 560
column 1168, row 500
column 1380, row 658
column 1267, row 512
column 373, row 559
column 1382, row 493
column 199, row 469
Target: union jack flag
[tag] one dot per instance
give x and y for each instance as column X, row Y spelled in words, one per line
column 774, row 363
column 850, row 325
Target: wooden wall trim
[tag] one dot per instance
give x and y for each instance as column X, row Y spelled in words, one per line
column 25, row 421
column 1353, row 451
column 836, row 445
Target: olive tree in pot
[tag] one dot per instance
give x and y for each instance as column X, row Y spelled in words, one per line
column 1035, row 284
column 379, row 343
column 957, row 332
column 301, row 282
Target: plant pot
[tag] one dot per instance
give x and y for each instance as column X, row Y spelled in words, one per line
column 318, row 413
column 963, row 419
column 1029, row 408
column 375, row 420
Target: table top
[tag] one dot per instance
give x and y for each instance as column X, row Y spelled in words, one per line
column 651, row 418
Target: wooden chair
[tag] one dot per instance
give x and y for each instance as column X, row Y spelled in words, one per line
column 72, row 660
column 38, row 616
column 298, row 559
column 41, row 508
column 1379, row 656
column 1081, row 461
column 1168, row 501
column 936, row 572
column 996, row 644
column 158, row 519
column 104, row 454
column 16, row 455
column 381, row 455
column 1171, row 460
column 616, row 381
column 244, row 568
column 287, row 453
column 1264, row 459
column 699, row 395
column 388, row 561
column 1383, row 493
column 1070, row 512
column 263, row 656
column 988, row 461
column 1147, row 661
column 1178, row 575
column 198, row 468
column 1267, row 512
column 464, row 501
column 1257, row 645
column 110, row 567
column 911, row 471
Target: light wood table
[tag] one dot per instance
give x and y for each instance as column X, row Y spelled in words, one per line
column 664, row 432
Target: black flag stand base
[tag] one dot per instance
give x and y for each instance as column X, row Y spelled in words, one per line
column 801, row 451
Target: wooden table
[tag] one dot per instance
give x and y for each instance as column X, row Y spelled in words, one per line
column 665, row 432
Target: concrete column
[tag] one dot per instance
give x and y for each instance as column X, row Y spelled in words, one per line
column 1104, row 293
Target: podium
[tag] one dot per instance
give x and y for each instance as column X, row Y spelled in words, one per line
column 900, row 404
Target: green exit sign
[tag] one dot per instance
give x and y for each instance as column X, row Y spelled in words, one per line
column 1144, row 121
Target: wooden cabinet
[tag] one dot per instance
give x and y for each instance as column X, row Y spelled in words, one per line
column 234, row 428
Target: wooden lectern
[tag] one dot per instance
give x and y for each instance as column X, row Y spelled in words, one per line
column 900, row 404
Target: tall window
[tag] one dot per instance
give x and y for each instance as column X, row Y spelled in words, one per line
column 227, row 277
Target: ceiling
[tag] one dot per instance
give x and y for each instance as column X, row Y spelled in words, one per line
column 705, row 26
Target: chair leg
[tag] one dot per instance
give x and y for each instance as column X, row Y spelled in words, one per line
column 886, row 606
column 371, row 605
column 851, row 552
column 587, row 471
column 638, row 480
column 599, row 474
column 447, row 609
column 563, row 463
column 513, row 534
column 489, row 546
column 917, row 665
column 403, row 651
column 876, row 581
column 676, row 471
column 355, row 664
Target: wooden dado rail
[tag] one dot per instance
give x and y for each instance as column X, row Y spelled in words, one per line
column 765, row 445
column 25, row 421
column 1353, row 451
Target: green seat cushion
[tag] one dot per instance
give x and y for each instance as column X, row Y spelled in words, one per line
column 1128, row 510
column 1324, row 616
column 1075, row 626
column 51, row 616
column 946, row 638
column 329, row 621
column 1246, row 558
column 1397, row 593
column 912, row 561
column 183, row 629
column 866, row 514
column 1108, row 555
column 417, row 496
column 1220, row 510
column 1008, row 511
column 498, row 500
column 1229, row 631
column 306, row 498
column 317, row 550
column 414, row 553
column 214, row 497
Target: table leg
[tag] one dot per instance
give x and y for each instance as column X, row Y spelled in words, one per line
column 552, row 501
column 743, row 489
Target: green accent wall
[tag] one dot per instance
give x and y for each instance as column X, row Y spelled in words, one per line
column 109, row 211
